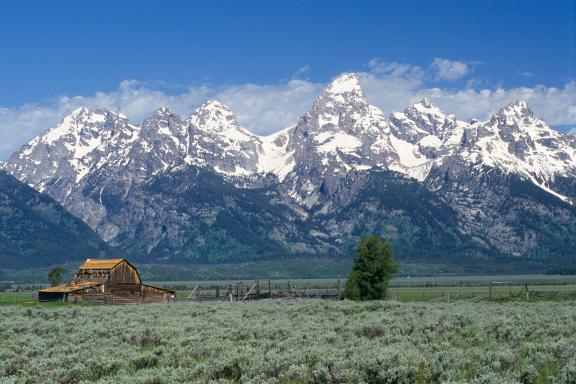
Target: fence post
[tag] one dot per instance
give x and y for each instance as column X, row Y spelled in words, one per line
column 269, row 289
column 490, row 292
column 257, row 289
column 339, row 293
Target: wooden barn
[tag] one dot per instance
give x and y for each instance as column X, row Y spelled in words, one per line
column 113, row 281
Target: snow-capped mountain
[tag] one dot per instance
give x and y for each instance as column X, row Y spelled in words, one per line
column 517, row 142
column 313, row 181
column 83, row 141
column 218, row 141
column 343, row 133
column 425, row 125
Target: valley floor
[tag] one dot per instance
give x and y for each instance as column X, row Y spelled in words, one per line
column 290, row 341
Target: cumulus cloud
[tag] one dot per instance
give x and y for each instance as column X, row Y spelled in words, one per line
column 266, row 108
column 573, row 131
column 449, row 69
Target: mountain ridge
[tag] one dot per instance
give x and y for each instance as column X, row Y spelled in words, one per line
column 101, row 168
column 36, row 231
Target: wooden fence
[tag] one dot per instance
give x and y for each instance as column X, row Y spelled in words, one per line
column 488, row 293
column 258, row 290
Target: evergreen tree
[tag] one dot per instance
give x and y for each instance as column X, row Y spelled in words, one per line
column 372, row 270
column 55, row 275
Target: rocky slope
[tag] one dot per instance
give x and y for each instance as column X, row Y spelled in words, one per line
column 205, row 189
column 36, row 231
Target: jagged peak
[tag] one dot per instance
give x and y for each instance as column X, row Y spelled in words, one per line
column 345, row 83
column 97, row 115
column 516, row 108
column 80, row 111
column 161, row 114
column 162, row 111
column 213, row 116
column 518, row 103
column 424, row 103
column 214, row 105
column 425, row 107
column 343, row 91
column 213, row 110
column 84, row 115
column 80, row 114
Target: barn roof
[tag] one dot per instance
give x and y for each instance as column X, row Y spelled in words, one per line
column 160, row 288
column 72, row 287
column 100, row 263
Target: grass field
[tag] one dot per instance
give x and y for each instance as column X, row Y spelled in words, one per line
column 290, row 341
column 431, row 330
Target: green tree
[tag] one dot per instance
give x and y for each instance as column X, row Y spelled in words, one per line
column 372, row 270
column 55, row 275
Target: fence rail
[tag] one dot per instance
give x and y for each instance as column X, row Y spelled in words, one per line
column 257, row 291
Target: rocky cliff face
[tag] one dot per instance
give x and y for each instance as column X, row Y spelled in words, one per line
column 204, row 188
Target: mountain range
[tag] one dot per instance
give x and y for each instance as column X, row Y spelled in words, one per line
column 492, row 196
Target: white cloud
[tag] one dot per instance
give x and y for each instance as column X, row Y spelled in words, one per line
column 554, row 105
column 395, row 69
column 573, row 131
column 525, row 74
column 267, row 108
column 301, row 72
column 261, row 108
column 449, row 69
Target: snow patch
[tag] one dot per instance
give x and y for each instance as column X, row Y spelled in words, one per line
column 408, row 153
column 339, row 141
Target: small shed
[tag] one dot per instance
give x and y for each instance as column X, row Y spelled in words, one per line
column 114, row 281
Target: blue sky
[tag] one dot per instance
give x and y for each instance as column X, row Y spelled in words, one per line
column 56, row 54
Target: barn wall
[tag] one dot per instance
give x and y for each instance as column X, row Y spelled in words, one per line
column 124, row 273
column 92, row 293
column 154, row 294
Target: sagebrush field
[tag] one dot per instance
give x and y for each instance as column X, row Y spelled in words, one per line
column 298, row 341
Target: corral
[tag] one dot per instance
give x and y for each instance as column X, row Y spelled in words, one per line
column 114, row 281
